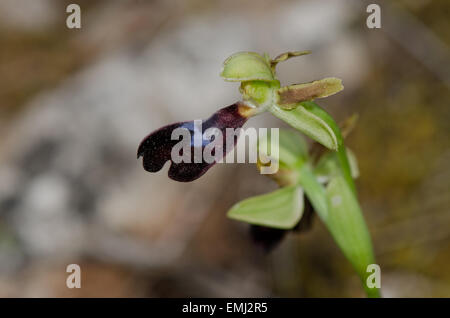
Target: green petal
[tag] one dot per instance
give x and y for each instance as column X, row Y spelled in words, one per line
column 280, row 209
column 290, row 96
column 285, row 56
column 246, row 66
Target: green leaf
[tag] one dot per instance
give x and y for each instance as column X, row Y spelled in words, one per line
column 310, row 122
column 291, row 148
column 346, row 224
column 329, row 166
column 246, row 66
column 280, row 209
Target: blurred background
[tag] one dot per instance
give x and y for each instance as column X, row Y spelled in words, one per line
column 75, row 103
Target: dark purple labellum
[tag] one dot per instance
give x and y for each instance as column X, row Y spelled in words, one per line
column 156, row 148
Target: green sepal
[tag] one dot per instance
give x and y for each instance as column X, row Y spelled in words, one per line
column 246, row 66
column 282, row 208
column 310, row 121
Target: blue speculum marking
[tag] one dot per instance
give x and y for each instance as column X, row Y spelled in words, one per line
column 156, row 148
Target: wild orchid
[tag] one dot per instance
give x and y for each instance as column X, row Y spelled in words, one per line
column 309, row 180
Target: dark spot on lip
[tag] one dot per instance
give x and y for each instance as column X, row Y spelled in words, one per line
column 156, row 148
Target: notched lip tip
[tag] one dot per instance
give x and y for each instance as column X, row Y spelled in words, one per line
column 140, row 150
column 140, row 153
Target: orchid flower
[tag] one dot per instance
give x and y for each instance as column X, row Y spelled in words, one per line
column 309, row 183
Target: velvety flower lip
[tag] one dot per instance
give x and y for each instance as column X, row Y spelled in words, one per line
column 156, row 148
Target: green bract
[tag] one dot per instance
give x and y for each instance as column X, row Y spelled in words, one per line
column 349, row 230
